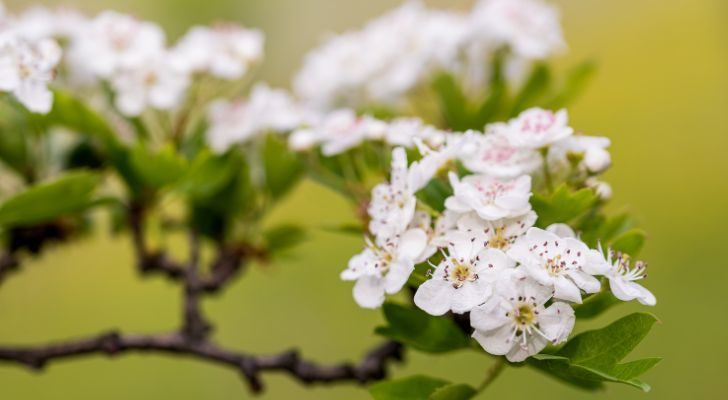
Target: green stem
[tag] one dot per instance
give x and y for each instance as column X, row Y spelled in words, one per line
column 546, row 170
column 493, row 372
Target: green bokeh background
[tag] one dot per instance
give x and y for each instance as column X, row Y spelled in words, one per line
column 662, row 96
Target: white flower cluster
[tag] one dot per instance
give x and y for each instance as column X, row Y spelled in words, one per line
column 516, row 280
column 129, row 54
column 394, row 53
column 27, row 64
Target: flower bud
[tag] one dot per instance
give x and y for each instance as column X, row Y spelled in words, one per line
column 597, row 160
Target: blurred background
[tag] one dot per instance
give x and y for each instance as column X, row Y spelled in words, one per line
column 661, row 94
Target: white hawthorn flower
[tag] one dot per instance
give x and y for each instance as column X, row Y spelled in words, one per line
column 342, row 130
column 154, row 84
column 384, row 267
column 266, row 109
column 27, row 68
column 39, row 22
column 498, row 234
column 393, row 204
column 536, row 128
column 515, row 322
column 593, row 151
column 490, row 198
column 531, row 28
column 225, row 51
column 464, row 279
column 114, row 41
column 407, row 131
column 494, row 155
column 622, row 277
column 564, row 264
column 382, row 61
column 602, row 189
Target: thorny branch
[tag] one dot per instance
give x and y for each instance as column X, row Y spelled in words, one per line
column 193, row 338
column 372, row 367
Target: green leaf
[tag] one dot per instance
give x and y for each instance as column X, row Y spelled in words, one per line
column 347, row 229
column 421, row 331
column 576, row 80
column 73, row 113
column 417, row 387
column 453, row 391
column 69, row 194
column 283, row 168
column 607, row 346
column 435, row 193
column 593, row 357
column 598, row 228
column 283, row 237
column 453, row 102
column 534, row 89
column 630, row 242
column 157, row 169
column 207, row 175
column 563, row 205
column 497, row 93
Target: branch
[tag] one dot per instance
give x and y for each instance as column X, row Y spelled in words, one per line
column 195, row 327
column 372, row 367
column 149, row 262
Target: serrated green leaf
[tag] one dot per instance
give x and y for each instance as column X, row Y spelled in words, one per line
column 629, row 242
column 421, row 331
column 603, row 348
column 69, row 194
column 454, row 391
column 416, row 387
column 592, row 357
column 563, row 205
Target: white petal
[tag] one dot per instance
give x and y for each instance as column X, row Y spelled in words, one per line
column 434, row 296
column 585, row 281
column 557, row 321
column 561, row 230
column 411, row 244
column 397, row 276
column 369, row 291
column 470, row 295
column 565, row 289
column 35, row 96
column 491, row 315
column 497, row 341
column 534, row 344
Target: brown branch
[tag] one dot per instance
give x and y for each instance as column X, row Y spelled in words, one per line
column 195, row 327
column 150, row 262
column 372, row 367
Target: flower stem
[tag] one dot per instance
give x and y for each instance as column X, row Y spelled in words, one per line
column 493, row 372
column 546, row 170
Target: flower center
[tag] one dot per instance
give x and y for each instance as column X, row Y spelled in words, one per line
column 458, row 273
column 555, row 265
column 524, row 315
column 499, row 239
